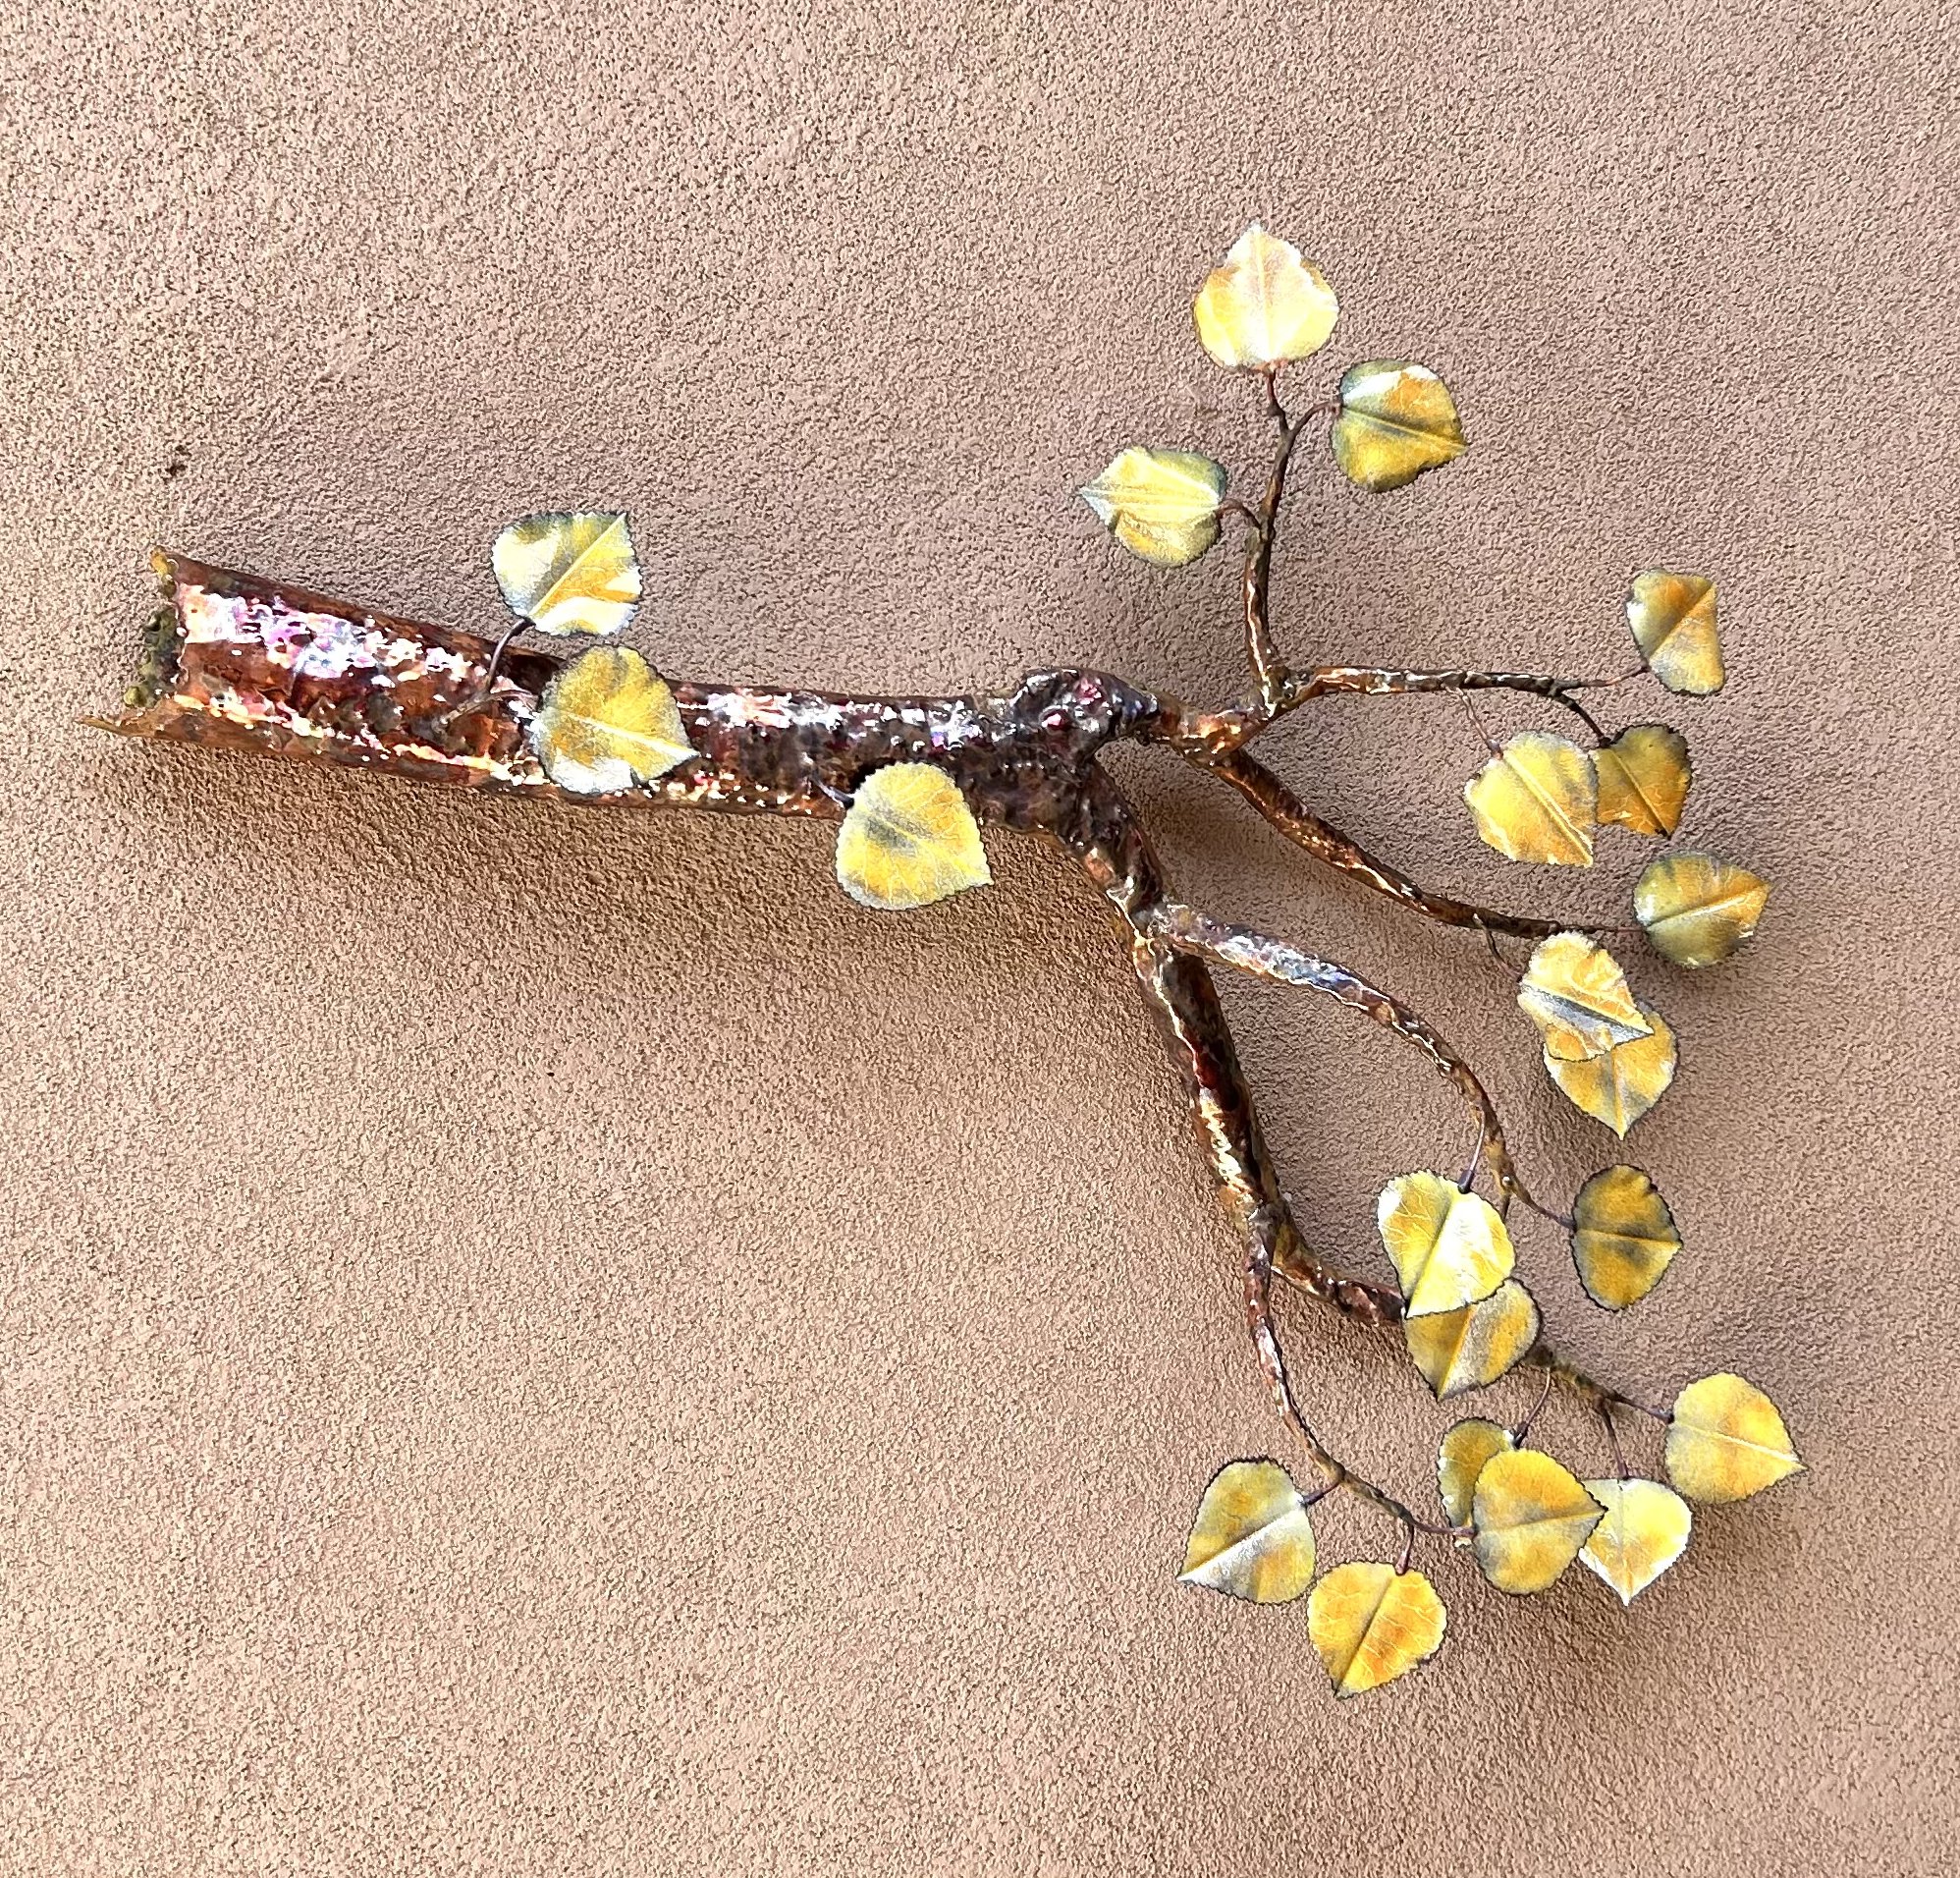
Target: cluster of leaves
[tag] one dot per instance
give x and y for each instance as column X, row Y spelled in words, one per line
column 609, row 722
column 1525, row 1514
column 1540, row 799
column 1264, row 307
column 1468, row 1320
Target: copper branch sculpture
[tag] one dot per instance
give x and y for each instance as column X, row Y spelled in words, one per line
column 242, row 663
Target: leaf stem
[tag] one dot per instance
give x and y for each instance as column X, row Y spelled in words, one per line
column 1523, row 1428
column 1613, row 1436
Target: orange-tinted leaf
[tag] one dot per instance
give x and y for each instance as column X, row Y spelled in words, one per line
column 1252, row 1538
column 1532, row 1515
column 1624, row 1237
column 1475, row 1343
column 1449, row 1248
column 1535, row 800
column 1726, row 1441
column 1460, row 1459
column 1673, row 622
column 1619, row 1086
column 1696, row 909
column 1395, row 421
column 1644, row 775
column 1372, row 1624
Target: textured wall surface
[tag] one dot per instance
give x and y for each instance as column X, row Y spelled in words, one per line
column 544, row 1343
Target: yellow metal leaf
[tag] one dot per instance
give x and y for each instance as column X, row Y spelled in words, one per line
column 1619, row 1086
column 1536, row 800
column 1395, row 421
column 1475, row 1343
column 1460, row 1459
column 1575, row 992
column 908, row 839
column 1645, row 1530
column 1696, row 909
column 1160, row 504
column 606, row 722
column 1624, row 1237
column 1531, row 1516
column 1726, row 1441
column 1252, row 1538
column 1449, row 1248
column 568, row 574
column 1644, row 775
column 1372, row 1624
column 1264, row 305
column 1673, row 621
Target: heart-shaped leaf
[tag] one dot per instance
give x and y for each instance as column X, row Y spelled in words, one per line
column 1644, row 775
column 606, row 722
column 1619, row 1086
column 1252, row 1538
column 1536, row 800
column 1264, row 305
column 908, row 839
column 1726, row 1441
column 1475, row 1344
column 1696, row 909
column 1395, row 422
column 1160, row 504
column 1449, row 1248
column 568, row 574
column 1532, row 1515
column 1673, row 622
column 1623, row 1234
column 1645, row 1530
column 1575, row 992
column 1372, row 1624
column 1460, row 1459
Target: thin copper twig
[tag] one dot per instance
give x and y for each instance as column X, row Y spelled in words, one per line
column 1613, row 1436
column 1523, row 1428
column 1261, row 956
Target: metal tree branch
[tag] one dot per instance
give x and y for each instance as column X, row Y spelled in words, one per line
column 246, row 664
column 1327, row 843
column 241, row 663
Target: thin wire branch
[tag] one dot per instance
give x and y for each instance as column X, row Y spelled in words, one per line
column 1237, row 724
column 1261, row 956
column 1294, row 820
column 1361, row 681
column 482, row 695
column 1613, row 1436
column 1543, row 1395
column 1267, row 671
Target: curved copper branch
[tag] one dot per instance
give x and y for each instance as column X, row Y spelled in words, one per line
column 1294, row 820
column 1261, row 956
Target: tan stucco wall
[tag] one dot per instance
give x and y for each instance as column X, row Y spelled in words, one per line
column 546, row 1342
